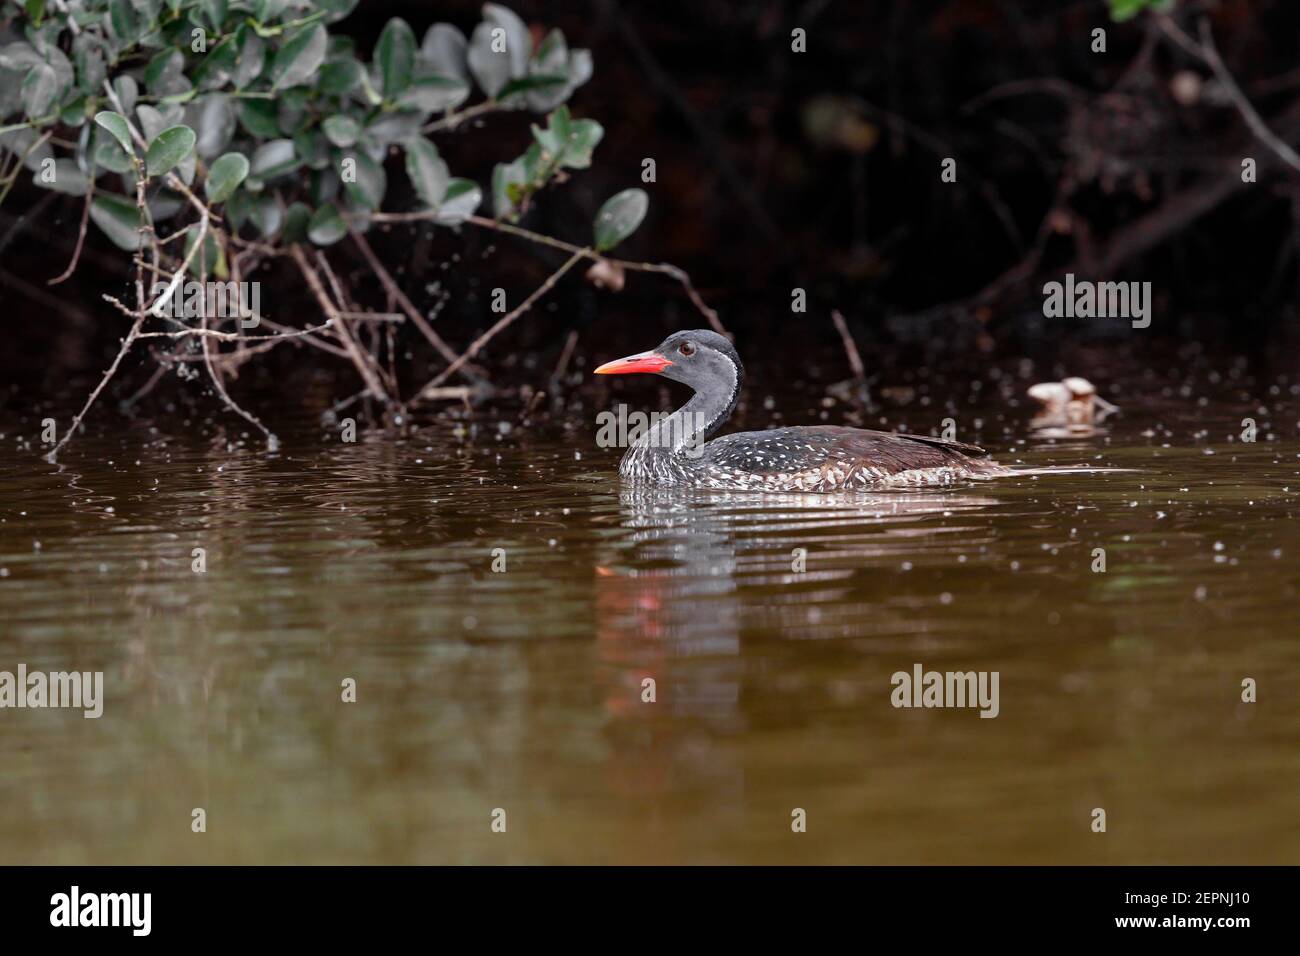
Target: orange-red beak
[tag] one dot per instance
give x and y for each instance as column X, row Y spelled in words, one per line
column 641, row 362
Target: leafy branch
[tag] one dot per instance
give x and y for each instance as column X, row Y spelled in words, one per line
column 249, row 131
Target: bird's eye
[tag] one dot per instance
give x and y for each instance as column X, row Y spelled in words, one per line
column 686, row 348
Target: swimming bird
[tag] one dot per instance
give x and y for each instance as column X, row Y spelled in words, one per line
column 804, row 458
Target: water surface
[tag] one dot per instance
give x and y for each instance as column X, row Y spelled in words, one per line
column 522, row 689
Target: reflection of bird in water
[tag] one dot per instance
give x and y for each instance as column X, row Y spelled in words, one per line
column 673, row 589
column 1070, row 408
column 699, row 588
column 671, row 595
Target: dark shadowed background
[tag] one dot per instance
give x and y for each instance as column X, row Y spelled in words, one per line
column 778, row 170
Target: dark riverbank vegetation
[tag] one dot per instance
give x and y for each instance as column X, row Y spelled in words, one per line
column 208, row 137
column 382, row 196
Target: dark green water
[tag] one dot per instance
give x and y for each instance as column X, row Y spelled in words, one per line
column 522, row 689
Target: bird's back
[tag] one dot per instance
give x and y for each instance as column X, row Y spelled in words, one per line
column 831, row 457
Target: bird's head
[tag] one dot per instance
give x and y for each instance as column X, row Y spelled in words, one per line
column 702, row 359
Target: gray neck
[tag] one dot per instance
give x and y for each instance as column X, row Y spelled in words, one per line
column 691, row 425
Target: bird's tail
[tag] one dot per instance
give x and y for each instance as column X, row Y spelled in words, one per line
column 1064, row 470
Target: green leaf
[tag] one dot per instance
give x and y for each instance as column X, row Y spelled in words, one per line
column 326, row 226
column 117, row 125
column 323, row 186
column 213, row 118
column 152, row 121
column 107, row 153
column 225, row 175
column 215, row 10
column 372, row 95
column 19, row 57
column 237, row 209
column 337, row 9
column 491, row 68
column 554, row 139
column 268, row 10
column 64, row 72
column 539, row 82
column 551, row 56
column 165, row 73
column 299, row 58
column 1121, row 10
column 577, row 68
column 519, row 42
column 507, row 185
column 252, row 56
column 312, row 148
column 388, row 128
column 620, row 217
column 395, row 54
column 291, row 110
column 368, row 186
column 259, row 118
column 265, row 214
column 169, row 149
column 565, row 143
column 89, row 59
column 443, row 50
column 459, row 202
column 583, row 138
column 433, row 93
column 164, row 205
column 40, row 90
column 341, row 130
column 121, row 15
column 119, row 219
column 428, row 171
column 274, row 158
column 218, row 65
column 74, row 113
column 127, row 91
column 339, row 77
column 296, row 220
column 65, row 177
column 494, row 68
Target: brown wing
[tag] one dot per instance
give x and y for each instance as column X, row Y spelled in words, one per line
column 803, row 447
column 960, row 446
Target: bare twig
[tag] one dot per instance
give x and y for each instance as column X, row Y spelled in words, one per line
column 562, row 365
column 140, row 312
column 453, row 119
column 446, row 393
column 112, row 369
column 404, row 303
column 367, row 374
column 855, row 359
column 308, row 339
column 146, row 388
column 1208, row 53
column 663, row 268
column 81, row 237
column 850, row 347
column 507, row 319
column 345, row 328
column 272, row 443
